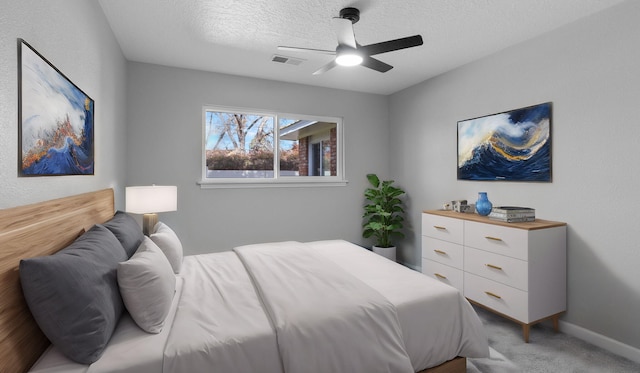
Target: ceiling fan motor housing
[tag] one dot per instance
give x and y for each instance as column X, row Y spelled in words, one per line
column 352, row 14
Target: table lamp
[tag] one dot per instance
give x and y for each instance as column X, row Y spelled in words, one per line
column 149, row 201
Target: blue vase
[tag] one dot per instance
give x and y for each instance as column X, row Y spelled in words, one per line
column 483, row 205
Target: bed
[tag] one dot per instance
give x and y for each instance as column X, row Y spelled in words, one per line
column 412, row 322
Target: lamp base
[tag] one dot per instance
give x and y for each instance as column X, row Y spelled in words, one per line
column 148, row 222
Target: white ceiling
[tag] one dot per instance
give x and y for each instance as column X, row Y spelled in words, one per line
column 240, row 37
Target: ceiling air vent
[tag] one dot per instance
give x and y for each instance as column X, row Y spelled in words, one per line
column 286, row 59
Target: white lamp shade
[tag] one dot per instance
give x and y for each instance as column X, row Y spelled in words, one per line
column 151, row 199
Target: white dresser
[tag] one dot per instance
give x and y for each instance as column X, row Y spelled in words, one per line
column 517, row 270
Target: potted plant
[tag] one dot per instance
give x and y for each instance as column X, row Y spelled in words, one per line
column 383, row 215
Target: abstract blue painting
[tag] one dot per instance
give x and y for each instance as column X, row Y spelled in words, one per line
column 55, row 117
column 512, row 146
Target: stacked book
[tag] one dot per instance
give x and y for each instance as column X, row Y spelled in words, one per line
column 512, row 214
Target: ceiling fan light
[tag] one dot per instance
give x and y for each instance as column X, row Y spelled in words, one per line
column 348, row 59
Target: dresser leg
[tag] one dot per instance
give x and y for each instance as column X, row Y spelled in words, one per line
column 525, row 332
column 526, row 327
column 556, row 326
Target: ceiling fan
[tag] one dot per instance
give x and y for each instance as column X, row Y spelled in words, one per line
column 350, row 53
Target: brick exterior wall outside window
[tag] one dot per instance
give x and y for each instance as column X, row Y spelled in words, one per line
column 303, row 156
column 333, row 142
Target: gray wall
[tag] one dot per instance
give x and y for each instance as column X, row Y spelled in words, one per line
column 164, row 147
column 590, row 70
column 75, row 37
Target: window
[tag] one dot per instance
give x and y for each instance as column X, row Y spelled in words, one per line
column 247, row 147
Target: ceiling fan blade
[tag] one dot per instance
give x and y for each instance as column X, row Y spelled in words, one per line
column 391, row 45
column 326, row 67
column 376, row 65
column 344, row 31
column 297, row 49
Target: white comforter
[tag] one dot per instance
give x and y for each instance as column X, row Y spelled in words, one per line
column 325, row 319
column 221, row 325
column 437, row 322
column 220, row 322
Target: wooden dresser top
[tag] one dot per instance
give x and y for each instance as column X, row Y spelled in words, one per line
column 533, row 225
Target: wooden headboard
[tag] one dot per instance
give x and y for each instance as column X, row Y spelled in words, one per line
column 35, row 230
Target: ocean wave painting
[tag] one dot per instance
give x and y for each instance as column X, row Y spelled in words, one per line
column 56, row 120
column 512, row 146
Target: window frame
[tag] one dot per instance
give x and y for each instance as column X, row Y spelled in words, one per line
column 277, row 180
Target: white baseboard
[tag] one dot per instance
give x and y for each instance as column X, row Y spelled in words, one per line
column 601, row 341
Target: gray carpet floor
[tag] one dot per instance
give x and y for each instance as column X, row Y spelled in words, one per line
column 546, row 352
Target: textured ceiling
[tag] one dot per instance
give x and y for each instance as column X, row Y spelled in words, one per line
column 240, row 37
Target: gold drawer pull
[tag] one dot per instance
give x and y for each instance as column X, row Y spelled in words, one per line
column 493, row 238
column 440, row 252
column 440, row 276
column 493, row 295
column 439, row 227
column 494, row 266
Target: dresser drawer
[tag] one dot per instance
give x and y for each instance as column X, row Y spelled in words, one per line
column 507, row 241
column 444, row 252
column 443, row 228
column 443, row 273
column 499, row 297
column 504, row 269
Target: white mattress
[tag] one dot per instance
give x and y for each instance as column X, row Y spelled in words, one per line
column 216, row 313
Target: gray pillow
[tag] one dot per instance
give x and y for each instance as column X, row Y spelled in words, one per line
column 74, row 296
column 147, row 285
column 169, row 243
column 127, row 230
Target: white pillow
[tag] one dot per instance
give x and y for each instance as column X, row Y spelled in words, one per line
column 147, row 285
column 169, row 243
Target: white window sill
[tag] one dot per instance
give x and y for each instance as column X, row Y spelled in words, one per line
column 270, row 183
